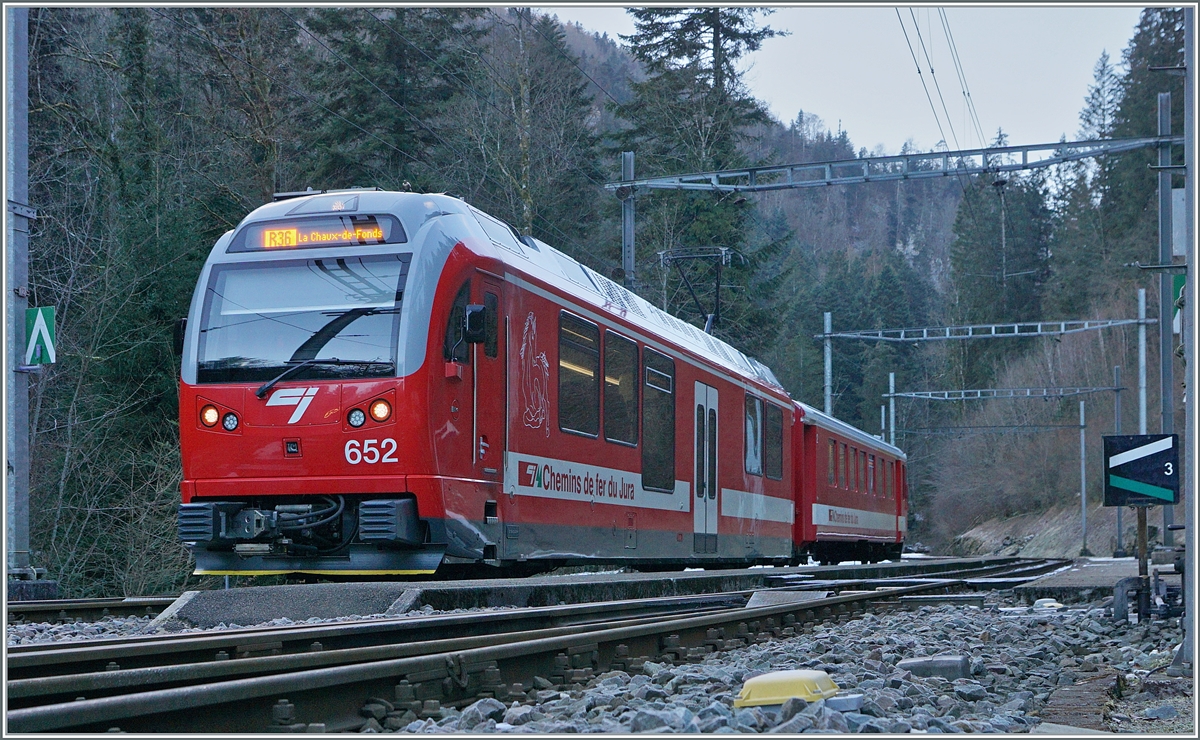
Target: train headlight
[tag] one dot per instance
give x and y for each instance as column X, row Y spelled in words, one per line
column 229, row 421
column 356, row 418
column 209, row 416
column 381, row 410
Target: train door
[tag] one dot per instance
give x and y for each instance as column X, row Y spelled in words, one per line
column 490, row 387
column 706, row 485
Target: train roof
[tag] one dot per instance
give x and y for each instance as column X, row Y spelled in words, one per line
column 615, row 298
column 810, row 415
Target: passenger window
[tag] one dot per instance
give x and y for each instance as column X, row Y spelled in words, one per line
column 491, row 323
column 842, row 467
column 578, row 371
column 658, row 423
column 871, row 475
column 753, row 435
column 455, row 349
column 620, row 389
column 832, row 466
column 888, row 479
column 773, row 443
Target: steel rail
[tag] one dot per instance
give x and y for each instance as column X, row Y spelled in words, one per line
column 88, row 610
column 333, row 696
column 26, row 692
column 147, row 651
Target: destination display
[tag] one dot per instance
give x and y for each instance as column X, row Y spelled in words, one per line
column 325, row 231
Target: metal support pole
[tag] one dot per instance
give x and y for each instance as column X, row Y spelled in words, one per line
column 1141, row 360
column 627, row 251
column 1143, row 606
column 892, row 409
column 16, row 505
column 882, row 421
column 828, row 364
column 1186, row 655
column 1166, row 301
column 1119, row 552
column 1083, row 551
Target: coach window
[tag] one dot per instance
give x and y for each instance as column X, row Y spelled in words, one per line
column 491, row 319
column 455, row 349
column 658, row 422
column 888, row 479
column 854, row 479
column 578, row 375
column 842, row 466
column 754, row 435
column 620, row 389
column 832, row 462
column 773, row 443
column 871, row 475
column 862, row 470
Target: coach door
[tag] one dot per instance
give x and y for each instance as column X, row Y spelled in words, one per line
column 706, row 486
column 489, row 393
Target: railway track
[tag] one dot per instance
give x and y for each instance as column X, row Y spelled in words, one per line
column 86, row 610
column 288, row 683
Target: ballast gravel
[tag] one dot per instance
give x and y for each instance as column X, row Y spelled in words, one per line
column 29, row 633
column 1017, row 656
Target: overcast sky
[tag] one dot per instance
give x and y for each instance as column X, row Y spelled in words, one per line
column 1027, row 69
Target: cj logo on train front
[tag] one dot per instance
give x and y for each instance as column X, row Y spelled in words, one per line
column 298, row 397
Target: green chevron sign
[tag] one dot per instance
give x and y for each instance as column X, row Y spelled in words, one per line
column 39, row 336
column 1141, row 470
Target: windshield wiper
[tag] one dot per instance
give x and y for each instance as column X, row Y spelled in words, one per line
column 262, row 391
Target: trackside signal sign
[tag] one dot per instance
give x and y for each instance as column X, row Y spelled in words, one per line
column 39, row 336
column 1141, row 470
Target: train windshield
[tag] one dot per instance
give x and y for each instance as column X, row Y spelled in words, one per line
column 261, row 318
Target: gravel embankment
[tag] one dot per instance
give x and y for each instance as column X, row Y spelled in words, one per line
column 1017, row 657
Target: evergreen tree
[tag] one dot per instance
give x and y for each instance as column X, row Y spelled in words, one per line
column 689, row 115
column 1129, row 208
column 523, row 124
column 386, row 76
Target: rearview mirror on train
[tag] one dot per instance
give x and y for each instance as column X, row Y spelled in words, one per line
column 177, row 336
column 474, row 330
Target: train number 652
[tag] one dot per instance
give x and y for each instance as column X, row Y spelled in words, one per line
column 367, row 452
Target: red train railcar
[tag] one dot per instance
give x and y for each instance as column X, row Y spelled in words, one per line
column 853, row 494
column 379, row 383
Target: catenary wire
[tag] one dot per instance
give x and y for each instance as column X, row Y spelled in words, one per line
column 962, row 77
column 572, row 61
column 933, row 75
